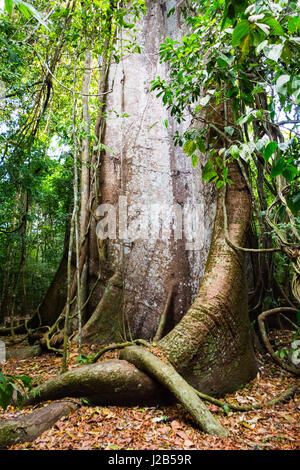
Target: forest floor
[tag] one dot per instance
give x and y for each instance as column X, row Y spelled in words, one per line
column 166, row 427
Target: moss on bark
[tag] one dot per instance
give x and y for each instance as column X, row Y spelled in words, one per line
column 105, row 383
column 167, row 376
column 28, row 427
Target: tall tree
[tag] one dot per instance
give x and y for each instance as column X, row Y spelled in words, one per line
column 213, row 80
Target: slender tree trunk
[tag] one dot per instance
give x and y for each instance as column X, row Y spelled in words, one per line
column 85, row 172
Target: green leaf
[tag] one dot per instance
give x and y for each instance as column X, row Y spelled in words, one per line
column 194, row 160
column 294, row 204
column 200, row 144
column 276, row 28
column 154, row 124
column 219, row 162
column 229, row 130
column 26, row 380
column 239, row 32
column 290, row 173
column 278, row 168
column 189, row 147
column 24, row 10
column 28, row 10
column 6, row 396
column 270, row 148
column 282, row 353
column 225, row 58
column 208, row 171
column 234, row 150
column 294, row 24
column 9, row 6
column 3, row 380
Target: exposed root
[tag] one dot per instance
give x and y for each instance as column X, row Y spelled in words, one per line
column 112, row 347
column 167, row 376
column 262, row 328
column 284, row 396
column 121, row 383
column 28, row 427
column 111, row 382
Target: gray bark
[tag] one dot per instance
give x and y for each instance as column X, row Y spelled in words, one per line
column 146, row 168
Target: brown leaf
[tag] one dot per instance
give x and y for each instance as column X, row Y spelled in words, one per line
column 176, row 425
column 289, row 418
column 188, row 443
column 214, row 408
column 182, row 435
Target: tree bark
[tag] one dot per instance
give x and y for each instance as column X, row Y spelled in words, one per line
column 144, row 167
column 111, row 382
column 211, row 346
column 28, row 427
column 167, row 376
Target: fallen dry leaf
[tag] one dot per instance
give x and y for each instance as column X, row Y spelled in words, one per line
column 137, row 428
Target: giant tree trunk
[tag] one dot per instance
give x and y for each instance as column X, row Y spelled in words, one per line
column 146, row 168
column 210, row 344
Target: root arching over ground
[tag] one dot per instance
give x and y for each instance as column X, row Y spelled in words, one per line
column 118, row 382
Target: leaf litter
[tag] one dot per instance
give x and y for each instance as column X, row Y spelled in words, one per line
column 165, row 427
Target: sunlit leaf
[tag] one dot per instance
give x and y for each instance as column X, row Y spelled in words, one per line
column 273, row 51
column 270, row 148
column 240, row 31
